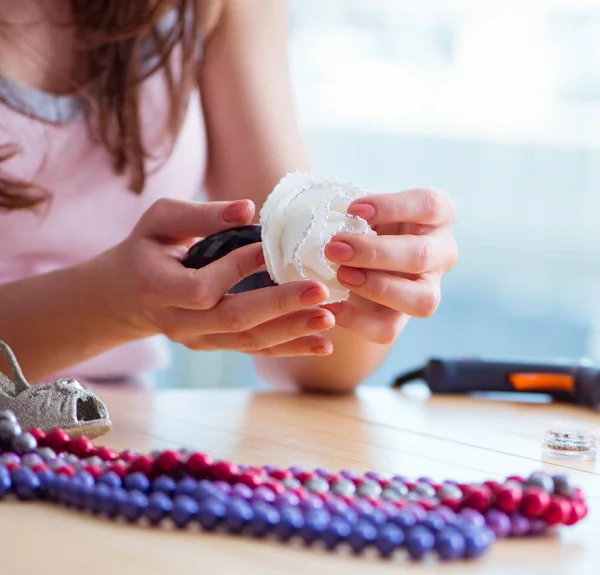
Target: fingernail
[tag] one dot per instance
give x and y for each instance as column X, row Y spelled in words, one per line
column 321, row 350
column 339, row 251
column 320, row 322
column 362, row 210
column 334, row 308
column 260, row 259
column 312, row 296
column 352, row 276
column 236, row 212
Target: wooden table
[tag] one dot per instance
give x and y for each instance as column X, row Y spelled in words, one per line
column 461, row 438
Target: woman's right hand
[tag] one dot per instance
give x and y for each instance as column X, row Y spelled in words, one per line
column 150, row 291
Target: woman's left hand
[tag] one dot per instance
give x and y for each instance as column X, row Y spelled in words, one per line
column 396, row 274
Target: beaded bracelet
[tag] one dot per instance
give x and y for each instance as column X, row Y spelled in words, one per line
column 335, row 510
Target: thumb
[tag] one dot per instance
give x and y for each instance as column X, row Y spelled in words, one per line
column 178, row 220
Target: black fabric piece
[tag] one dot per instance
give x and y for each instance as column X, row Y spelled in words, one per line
column 220, row 244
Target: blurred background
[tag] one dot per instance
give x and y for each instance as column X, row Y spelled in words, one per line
column 498, row 103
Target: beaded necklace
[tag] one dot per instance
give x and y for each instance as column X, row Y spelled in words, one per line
column 389, row 514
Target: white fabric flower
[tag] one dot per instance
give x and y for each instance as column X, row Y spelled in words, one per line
column 298, row 219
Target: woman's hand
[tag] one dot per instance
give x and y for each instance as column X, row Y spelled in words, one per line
column 154, row 293
column 397, row 274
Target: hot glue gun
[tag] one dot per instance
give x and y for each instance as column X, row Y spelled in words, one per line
column 566, row 381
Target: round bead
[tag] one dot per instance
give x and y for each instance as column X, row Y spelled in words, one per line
column 291, row 521
column 336, row 531
column 264, row 494
column 211, row 512
column 105, row 454
column 31, row 460
column 238, row 514
column 508, row 498
column 242, row 490
column 424, row 489
column 280, row 474
column 541, row 480
column 93, row 460
column 159, row 506
column 41, row 468
column 94, row 470
column 114, row 501
column 535, row 502
column 7, row 415
column 143, row 464
column 198, row 465
column 39, row 434
column 389, row 538
column 363, row 534
column 317, row 485
column 477, row 541
column 224, row 471
column 349, row 474
column 185, row 509
column 291, row 483
column 26, row 483
column 187, row 486
column 274, row 486
column 433, row 521
column 315, row 524
column 133, row 507
column 563, row 486
column 10, row 458
column 83, row 478
column 559, row 510
column 419, row 541
column 287, row 499
column 343, row 487
column 450, row 544
column 493, row 485
column 65, row 470
column 478, row 497
column 81, row 446
column 404, row 519
column 499, row 522
column 390, row 494
column 402, row 488
column 515, row 478
column 164, row 484
column 69, row 458
column 8, row 430
column 537, row 527
column 128, row 456
column 111, row 479
column 471, row 517
column 57, row 439
column 168, row 462
column 519, row 525
column 136, row 482
column 250, row 479
column 369, row 489
column 578, row 512
column 265, row 518
column 119, row 469
column 5, row 482
column 46, row 453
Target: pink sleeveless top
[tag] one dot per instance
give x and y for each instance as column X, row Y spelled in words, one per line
column 91, row 208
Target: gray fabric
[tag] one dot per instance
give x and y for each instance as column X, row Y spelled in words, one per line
column 66, row 109
column 62, row 403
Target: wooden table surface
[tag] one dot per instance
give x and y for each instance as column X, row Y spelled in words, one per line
column 445, row 438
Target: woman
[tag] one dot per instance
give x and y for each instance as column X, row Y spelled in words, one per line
column 113, row 115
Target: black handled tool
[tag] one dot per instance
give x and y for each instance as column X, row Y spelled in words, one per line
column 564, row 380
column 211, row 248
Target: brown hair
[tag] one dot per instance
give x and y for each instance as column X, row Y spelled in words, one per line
column 109, row 33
